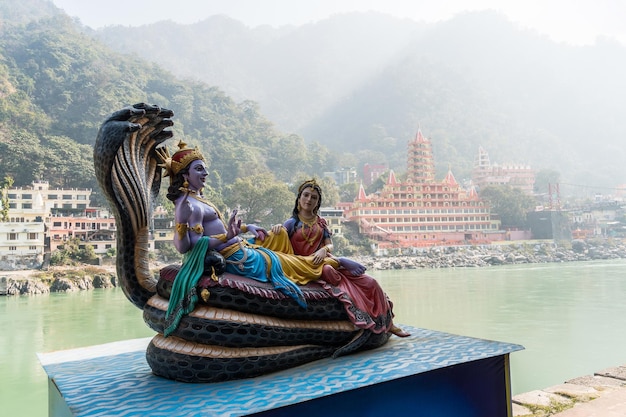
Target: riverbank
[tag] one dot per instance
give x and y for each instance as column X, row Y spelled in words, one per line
column 85, row 277
column 601, row 394
column 56, row 279
column 501, row 254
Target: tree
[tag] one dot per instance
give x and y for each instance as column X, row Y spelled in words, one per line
column 512, row 204
column 348, row 192
column 287, row 155
column 321, row 159
column 543, row 178
column 22, row 157
column 378, row 184
column 330, row 190
column 87, row 253
column 74, row 250
column 260, row 199
column 168, row 253
column 4, row 191
column 66, row 165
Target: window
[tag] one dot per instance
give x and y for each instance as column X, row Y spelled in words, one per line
column 32, row 247
column 13, row 248
column 81, row 197
column 67, row 196
column 27, row 205
column 56, row 224
column 12, row 236
column 27, row 196
column 32, row 236
column 52, row 196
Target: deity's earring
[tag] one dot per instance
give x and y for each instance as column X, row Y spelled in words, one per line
column 185, row 187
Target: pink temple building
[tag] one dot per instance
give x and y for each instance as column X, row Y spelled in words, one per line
column 421, row 211
column 372, row 172
column 516, row 175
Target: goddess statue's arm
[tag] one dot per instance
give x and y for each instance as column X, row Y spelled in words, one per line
column 289, row 224
column 324, row 251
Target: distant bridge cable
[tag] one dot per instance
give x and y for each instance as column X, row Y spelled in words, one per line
column 590, row 186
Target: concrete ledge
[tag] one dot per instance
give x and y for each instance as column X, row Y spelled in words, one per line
column 610, row 404
column 540, row 398
column 602, row 394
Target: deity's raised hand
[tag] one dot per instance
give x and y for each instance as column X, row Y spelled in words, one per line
column 234, row 225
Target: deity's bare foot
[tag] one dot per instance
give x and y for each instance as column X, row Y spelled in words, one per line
column 354, row 267
column 398, row 331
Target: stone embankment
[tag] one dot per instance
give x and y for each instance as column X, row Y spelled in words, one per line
column 59, row 279
column 503, row 254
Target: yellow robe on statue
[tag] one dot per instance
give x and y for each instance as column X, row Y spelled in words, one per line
column 299, row 269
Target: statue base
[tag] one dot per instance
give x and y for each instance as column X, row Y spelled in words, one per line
column 428, row 373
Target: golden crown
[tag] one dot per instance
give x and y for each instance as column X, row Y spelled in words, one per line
column 180, row 160
column 310, row 183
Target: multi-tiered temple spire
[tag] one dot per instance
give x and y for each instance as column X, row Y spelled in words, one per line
column 420, row 165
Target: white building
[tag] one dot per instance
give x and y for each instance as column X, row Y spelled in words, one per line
column 22, row 245
column 41, row 218
column 38, row 202
column 334, row 218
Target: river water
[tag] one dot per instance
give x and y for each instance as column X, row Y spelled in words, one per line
column 570, row 318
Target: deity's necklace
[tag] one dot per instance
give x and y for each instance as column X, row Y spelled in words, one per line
column 310, row 230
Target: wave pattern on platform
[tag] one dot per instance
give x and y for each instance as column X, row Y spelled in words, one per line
column 125, row 386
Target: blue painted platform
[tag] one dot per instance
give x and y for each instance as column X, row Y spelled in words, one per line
column 429, row 373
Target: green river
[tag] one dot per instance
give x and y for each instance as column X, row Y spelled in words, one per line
column 570, row 317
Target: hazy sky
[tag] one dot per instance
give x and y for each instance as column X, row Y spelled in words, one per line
column 572, row 21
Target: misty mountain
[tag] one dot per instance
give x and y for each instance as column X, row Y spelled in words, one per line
column 293, row 72
column 57, row 86
column 364, row 82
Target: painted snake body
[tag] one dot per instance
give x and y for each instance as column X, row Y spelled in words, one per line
column 240, row 328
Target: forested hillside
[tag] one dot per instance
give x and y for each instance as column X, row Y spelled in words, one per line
column 354, row 88
column 57, row 85
column 362, row 84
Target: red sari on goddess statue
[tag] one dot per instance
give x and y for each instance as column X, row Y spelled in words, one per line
column 364, row 300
